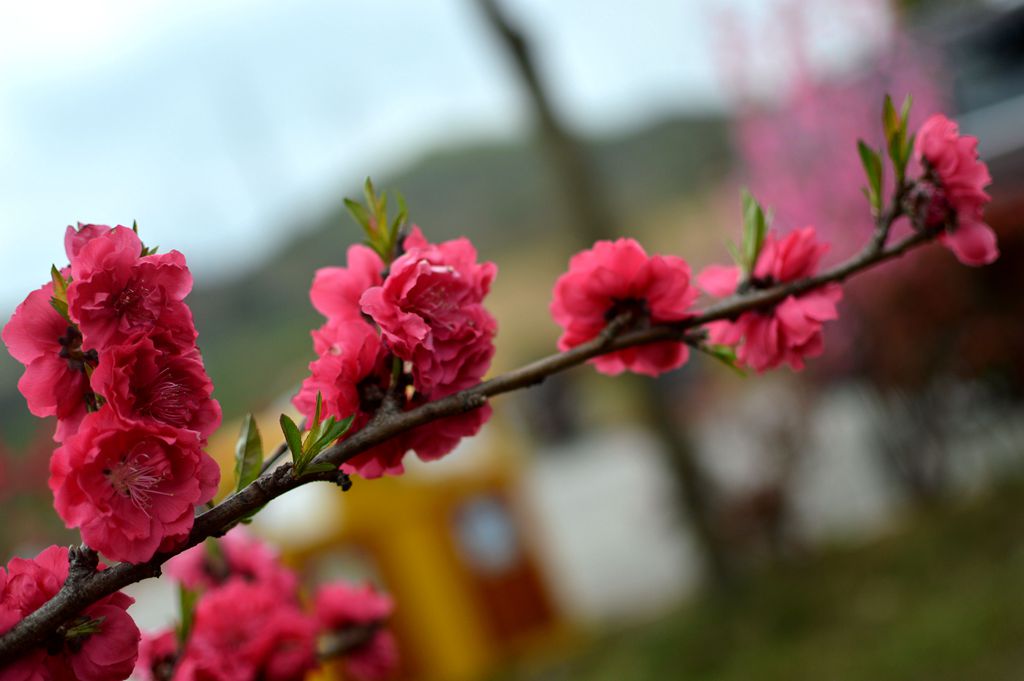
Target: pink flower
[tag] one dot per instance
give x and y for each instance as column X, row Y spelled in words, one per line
column 438, row 438
column 353, row 373
column 343, row 604
column 246, row 557
column 615, row 277
column 158, row 655
column 377, row 660
column 115, row 294
column 789, row 332
column 340, row 606
column 248, row 631
column 131, row 487
column 141, row 380
column 100, row 645
column 336, row 290
column 55, row 382
column 961, row 179
column 76, row 239
column 430, row 314
column 430, row 306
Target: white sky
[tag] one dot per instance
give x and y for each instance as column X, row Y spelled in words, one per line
column 215, row 123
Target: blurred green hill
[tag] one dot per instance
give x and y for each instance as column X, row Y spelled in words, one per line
column 254, row 327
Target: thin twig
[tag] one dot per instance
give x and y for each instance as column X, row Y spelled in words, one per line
column 274, row 457
column 79, row 593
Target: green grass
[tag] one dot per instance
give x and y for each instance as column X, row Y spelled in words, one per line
column 940, row 600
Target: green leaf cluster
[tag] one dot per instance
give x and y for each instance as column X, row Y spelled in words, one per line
column 322, row 434
column 382, row 233
column 898, row 146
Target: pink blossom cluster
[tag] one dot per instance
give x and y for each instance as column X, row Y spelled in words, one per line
column 956, row 179
column 109, row 348
column 412, row 331
column 790, row 331
column 618, row 278
column 340, row 606
column 251, row 624
column 101, row 644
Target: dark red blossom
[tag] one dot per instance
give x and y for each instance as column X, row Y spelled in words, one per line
column 117, row 294
column 55, row 382
column 430, row 307
column 100, row 644
column 158, row 656
column 75, row 239
column 341, row 605
column 426, row 314
column 617, row 277
column 790, row 331
column 951, row 160
column 130, row 486
column 248, row 631
column 141, row 379
column 244, row 556
column 336, row 291
column 353, row 374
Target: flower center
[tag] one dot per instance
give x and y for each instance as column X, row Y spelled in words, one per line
column 130, row 304
column 637, row 307
column 371, row 393
column 71, row 350
column 134, row 477
column 168, row 401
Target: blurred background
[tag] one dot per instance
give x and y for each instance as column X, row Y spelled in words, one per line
column 860, row 520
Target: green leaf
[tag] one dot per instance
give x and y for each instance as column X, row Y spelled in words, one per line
column 187, row 599
column 734, row 252
column 86, row 626
column 60, row 285
column 370, row 194
column 316, row 431
column 359, row 213
column 321, row 467
column 890, row 120
column 400, row 219
column 333, row 429
column 725, row 354
column 248, row 453
column 755, row 226
column 61, row 306
column 905, row 110
column 319, row 409
column 293, row 437
column 896, row 139
column 873, row 169
column 908, row 149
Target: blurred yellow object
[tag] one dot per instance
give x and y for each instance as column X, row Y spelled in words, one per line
column 447, row 539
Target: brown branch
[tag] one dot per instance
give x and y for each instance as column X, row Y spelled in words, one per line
column 78, row 593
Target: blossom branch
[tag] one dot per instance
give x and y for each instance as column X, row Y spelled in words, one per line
column 89, row 585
